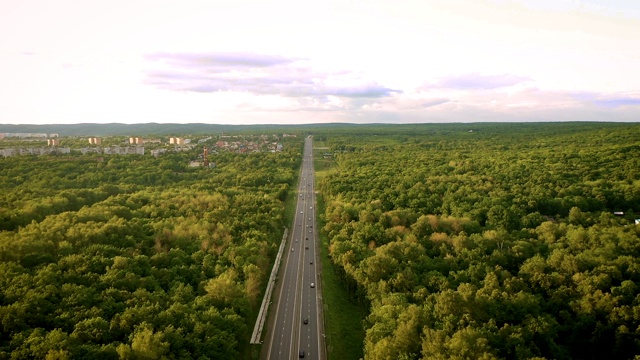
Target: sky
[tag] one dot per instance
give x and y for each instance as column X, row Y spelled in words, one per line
column 297, row 61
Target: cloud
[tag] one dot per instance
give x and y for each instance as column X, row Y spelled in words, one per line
column 253, row 73
column 434, row 102
column 476, row 81
column 219, row 60
column 273, row 84
column 615, row 102
column 608, row 101
column 371, row 90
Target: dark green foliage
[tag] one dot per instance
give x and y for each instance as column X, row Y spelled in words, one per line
column 496, row 243
column 137, row 257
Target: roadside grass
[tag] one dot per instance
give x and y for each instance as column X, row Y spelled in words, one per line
column 343, row 317
column 319, row 144
column 290, row 204
column 322, row 167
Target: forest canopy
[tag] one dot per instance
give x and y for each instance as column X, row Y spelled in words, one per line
column 138, row 257
column 489, row 241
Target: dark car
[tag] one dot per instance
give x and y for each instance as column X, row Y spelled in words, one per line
column 301, row 354
column 305, row 321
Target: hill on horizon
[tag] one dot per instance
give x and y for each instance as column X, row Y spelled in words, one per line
column 157, row 129
column 111, row 129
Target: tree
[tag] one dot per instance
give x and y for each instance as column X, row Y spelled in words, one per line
column 145, row 344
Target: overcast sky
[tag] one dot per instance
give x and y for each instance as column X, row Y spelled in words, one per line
column 296, row 61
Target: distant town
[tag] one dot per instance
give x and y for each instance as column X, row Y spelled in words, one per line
column 22, row 144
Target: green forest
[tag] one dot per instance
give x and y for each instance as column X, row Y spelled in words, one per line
column 138, row 257
column 488, row 241
column 458, row 241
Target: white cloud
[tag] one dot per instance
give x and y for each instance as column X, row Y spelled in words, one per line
column 475, row 81
column 285, row 60
column 256, row 74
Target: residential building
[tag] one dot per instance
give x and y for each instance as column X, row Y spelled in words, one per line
column 7, row 152
column 176, row 141
column 95, row 141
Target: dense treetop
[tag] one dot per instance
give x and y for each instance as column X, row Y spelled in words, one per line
column 462, row 241
column 137, row 257
column 489, row 241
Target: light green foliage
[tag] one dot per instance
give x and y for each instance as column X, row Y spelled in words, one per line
column 496, row 243
column 145, row 345
column 137, row 257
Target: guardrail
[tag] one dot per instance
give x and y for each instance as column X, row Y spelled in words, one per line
column 266, row 300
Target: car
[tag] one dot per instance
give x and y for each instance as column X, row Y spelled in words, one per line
column 301, row 354
column 311, row 262
column 300, row 212
column 313, row 285
column 310, row 207
column 291, row 249
column 305, row 321
column 306, row 248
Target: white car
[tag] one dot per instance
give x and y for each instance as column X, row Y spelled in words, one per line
column 313, row 285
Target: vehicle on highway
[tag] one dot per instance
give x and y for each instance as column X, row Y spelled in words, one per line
column 301, row 354
column 313, row 285
column 305, row 321
column 311, row 262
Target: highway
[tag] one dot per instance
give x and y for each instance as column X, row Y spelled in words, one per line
column 295, row 324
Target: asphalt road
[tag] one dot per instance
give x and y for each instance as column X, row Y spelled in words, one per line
column 296, row 323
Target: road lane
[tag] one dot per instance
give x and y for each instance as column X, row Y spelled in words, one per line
column 288, row 335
